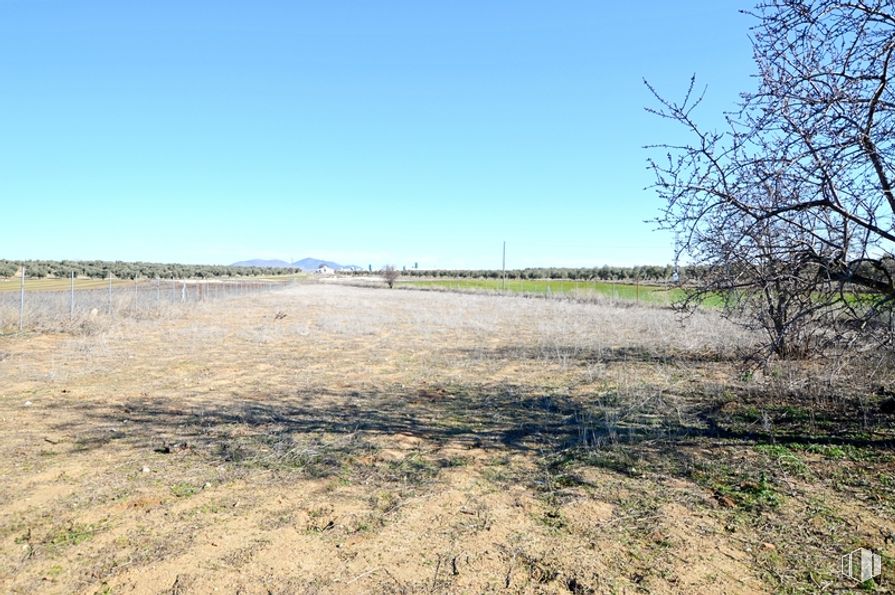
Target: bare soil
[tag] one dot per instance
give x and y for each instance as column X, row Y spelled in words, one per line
column 357, row 440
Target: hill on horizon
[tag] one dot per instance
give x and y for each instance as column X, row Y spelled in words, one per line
column 305, row 264
column 259, row 262
column 312, row 264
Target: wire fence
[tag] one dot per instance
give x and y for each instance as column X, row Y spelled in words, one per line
column 31, row 304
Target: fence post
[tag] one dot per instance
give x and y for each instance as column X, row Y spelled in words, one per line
column 71, row 310
column 158, row 294
column 110, row 293
column 22, row 303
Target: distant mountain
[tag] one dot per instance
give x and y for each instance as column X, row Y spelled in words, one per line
column 305, row 264
column 258, row 262
column 312, row 264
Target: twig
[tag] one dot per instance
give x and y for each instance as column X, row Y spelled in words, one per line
column 615, row 520
column 363, row 574
column 391, row 576
column 435, row 576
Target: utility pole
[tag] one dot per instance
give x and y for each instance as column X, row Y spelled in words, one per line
column 503, row 267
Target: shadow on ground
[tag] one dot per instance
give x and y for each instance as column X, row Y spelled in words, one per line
column 605, row 355
column 322, row 430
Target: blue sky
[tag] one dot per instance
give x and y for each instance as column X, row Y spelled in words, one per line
column 362, row 132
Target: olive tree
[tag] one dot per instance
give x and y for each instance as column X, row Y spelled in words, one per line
column 789, row 207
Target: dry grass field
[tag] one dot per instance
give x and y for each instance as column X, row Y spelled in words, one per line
column 359, row 440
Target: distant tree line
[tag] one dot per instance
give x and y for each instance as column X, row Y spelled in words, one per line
column 100, row 269
column 647, row 273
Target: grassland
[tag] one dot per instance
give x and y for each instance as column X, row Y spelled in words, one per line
column 338, row 439
column 653, row 294
column 13, row 284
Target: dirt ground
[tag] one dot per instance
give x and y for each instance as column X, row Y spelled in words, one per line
column 358, row 440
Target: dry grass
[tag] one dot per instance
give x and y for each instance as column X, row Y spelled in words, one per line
column 49, row 306
column 342, row 439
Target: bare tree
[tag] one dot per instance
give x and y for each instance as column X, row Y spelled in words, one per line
column 390, row 274
column 789, row 207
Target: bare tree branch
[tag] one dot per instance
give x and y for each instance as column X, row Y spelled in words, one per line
column 788, row 213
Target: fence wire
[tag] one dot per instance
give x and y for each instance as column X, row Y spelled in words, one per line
column 29, row 304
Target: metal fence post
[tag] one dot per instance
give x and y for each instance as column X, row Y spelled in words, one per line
column 22, row 303
column 71, row 310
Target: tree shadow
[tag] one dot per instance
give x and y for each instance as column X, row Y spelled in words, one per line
column 605, row 355
column 508, row 418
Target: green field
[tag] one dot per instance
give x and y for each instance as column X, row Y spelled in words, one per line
column 654, row 294
column 14, row 284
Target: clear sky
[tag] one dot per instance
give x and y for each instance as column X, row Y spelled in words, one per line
column 395, row 131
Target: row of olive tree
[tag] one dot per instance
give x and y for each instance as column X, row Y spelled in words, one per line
column 99, row 269
column 604, row 273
